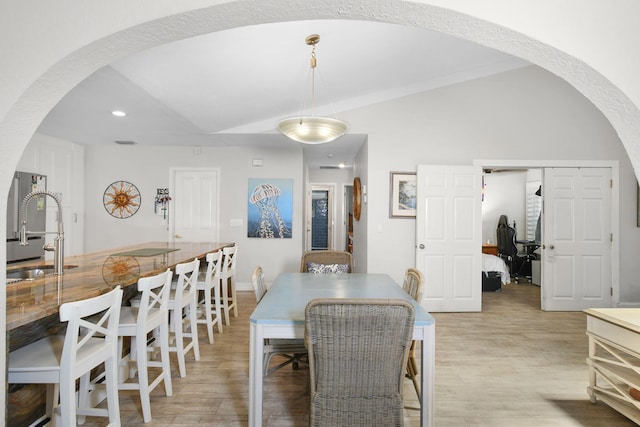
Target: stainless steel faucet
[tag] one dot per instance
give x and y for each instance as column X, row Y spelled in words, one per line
column 58, row 247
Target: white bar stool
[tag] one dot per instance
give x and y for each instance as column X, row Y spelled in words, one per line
column 152, row 315
column 207, row 289
column 183, row 305
column 228, row 282
column 59, row 361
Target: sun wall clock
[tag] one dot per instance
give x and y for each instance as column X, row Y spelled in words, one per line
column 121, row 199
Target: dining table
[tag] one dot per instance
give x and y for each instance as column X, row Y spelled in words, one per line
column 281, row 314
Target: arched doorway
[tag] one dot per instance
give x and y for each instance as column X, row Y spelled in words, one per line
column 46, row 81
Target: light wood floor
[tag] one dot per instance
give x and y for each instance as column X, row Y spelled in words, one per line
column 510, row 365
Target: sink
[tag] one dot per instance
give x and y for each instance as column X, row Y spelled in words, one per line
column 32, row 272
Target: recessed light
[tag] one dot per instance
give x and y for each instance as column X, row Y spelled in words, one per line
column 341, row 165
column 118, row 113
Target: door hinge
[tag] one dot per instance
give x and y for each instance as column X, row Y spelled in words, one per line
column 611, row 237
column 611, row 183
column 611, row 291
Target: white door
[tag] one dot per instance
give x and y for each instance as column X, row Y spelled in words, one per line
column 194, row 205
column 577, row 237
column 449, row 236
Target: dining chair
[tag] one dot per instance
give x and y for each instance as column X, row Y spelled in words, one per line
column 90, row 341
column 182, row 310
column 228, row 282
column 358, row 350
column 209, row 308
column 328, row 261
column 257, row 280
column 150, row 317
column 293, row 350
column 413, row 285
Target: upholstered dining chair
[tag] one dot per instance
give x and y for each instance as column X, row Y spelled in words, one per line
column 335, row 260
column 358, row 350
column 293, row 350
column 413, row 285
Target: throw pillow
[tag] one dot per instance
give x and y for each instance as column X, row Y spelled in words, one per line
column 316, row 268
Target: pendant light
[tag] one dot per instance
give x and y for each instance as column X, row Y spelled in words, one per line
column 311, row 129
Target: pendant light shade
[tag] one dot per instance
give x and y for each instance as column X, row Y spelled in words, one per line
column 311, row 129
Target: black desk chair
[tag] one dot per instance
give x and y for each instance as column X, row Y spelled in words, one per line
column 519, row 263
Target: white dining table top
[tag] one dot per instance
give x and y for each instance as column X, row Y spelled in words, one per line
column 286, row 299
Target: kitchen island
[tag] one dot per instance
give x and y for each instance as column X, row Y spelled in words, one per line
column 33, row 305
column 94, row 274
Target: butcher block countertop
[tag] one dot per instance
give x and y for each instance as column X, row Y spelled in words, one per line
column 89, row 275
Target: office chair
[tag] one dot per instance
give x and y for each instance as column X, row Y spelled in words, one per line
column 519, row 263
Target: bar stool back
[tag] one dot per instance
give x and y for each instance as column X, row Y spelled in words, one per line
column 152, row 315
column 182, row 309
column 228, row 282
column 59, row 361
column 210, row 288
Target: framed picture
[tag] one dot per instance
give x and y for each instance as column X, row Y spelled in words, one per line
column 402, row 195
column 270, row 208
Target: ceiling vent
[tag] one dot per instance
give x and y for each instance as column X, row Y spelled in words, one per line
column 125, row 142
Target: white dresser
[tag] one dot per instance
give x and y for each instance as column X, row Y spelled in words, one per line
column 614, row 358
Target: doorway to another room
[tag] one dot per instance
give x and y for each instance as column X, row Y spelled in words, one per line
column 321, row 230
column 515, row 197
column 574, row 239
column 578, row 233
column 329, row 217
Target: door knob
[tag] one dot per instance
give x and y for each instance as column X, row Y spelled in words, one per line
column 178, row 236
column 551, row 247
column 421, row 246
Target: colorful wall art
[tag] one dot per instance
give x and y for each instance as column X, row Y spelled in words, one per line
column 270, row 208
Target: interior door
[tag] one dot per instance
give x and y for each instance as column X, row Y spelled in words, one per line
column 576, row 238
column 320, row 221
column 449, row 236
column 194, row 205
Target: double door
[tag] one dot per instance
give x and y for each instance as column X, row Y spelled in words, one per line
column 577, row 237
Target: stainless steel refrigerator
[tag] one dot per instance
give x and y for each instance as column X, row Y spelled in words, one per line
column 23, row 184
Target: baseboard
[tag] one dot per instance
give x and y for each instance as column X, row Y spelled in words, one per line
column 244, row 286
column 628, row 305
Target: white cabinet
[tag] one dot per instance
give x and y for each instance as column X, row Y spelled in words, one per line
column 614, row 359
column 63, row 164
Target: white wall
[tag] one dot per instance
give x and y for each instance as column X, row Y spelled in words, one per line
column 522, row 114
column 361, row 236
column 504, row 194
column 148, row 169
